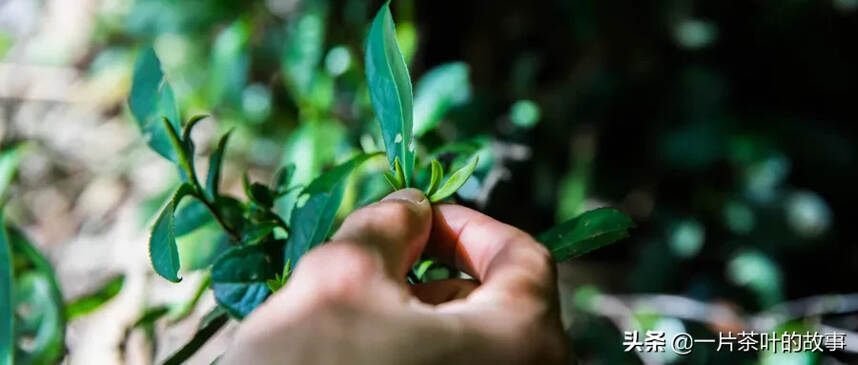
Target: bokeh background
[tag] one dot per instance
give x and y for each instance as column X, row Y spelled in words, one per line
column 723, row 128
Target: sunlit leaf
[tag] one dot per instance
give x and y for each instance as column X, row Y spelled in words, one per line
column 151, row 99
column 390, row 92
column 311, row 147
column 456, row 180
column 92, row 301
column 230, row 63
column 437, row 173
column 586, row 232
column 304, row 49
column 316, row 207
column 9, row 160
column 162, row 243
column 437, row 91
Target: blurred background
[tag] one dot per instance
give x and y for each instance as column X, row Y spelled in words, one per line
column 723, row 128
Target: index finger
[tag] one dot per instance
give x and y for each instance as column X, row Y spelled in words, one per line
column 495, row 253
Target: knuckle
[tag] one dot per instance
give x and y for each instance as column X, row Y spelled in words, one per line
column 538, row 260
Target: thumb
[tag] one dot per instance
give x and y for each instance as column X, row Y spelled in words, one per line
column 397, row 228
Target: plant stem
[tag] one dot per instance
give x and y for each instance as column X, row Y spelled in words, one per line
column 216, row 214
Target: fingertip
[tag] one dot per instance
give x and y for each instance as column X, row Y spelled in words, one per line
column 397, row 226
column 409, row 195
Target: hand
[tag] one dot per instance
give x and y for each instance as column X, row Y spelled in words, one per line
column 347, row 301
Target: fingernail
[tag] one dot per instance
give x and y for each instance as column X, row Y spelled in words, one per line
column 410, row 195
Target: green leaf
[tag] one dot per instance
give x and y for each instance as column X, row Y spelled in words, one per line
column 437, row 173
column 258, row 232
column 7, row 300
column 392, row 180
column 9, row 160
column 230, row 64
column 280, row 280
column 189, row 127
column 239, row 278
column 215, row 161
column 93, row 301
column 315, row 208
column 456, row 180
column 184, row 152
column 209, row 325
column 586, row 232
column 282, row 178
column 313, row 146
column 191, row 216
column 421, row 267
column 162, row 243
column 303, row 49
column 440, row 89
column 390, row 92
column 151, row 99
column 233, row 213
column 257, row 192
column 37, row 289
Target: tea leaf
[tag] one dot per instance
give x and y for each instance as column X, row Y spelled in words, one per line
column 7, row 301
column 437, row 173
column 390, row 92
column 303, row 50
column 258, row 232
column 456, row 180
column 38, row 290
column 93, row 301
column 315, row 208
column 162, row 243
column 400, row 175
column 239, row 279
column 191, row 216
column 257, row 192
column 9, row 160
column 437, row 91
column 209, row 325
column 230, row 63
column 392, row 180
column 184, row 152
column 215, row 160
column 280, row 280
column 282, row 178
column 151, row 98
column 586, row 232
column 189, row 126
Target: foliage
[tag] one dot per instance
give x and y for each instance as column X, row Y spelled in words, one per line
column 263, row 246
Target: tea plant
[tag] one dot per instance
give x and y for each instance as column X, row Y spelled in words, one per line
column 263, row 245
